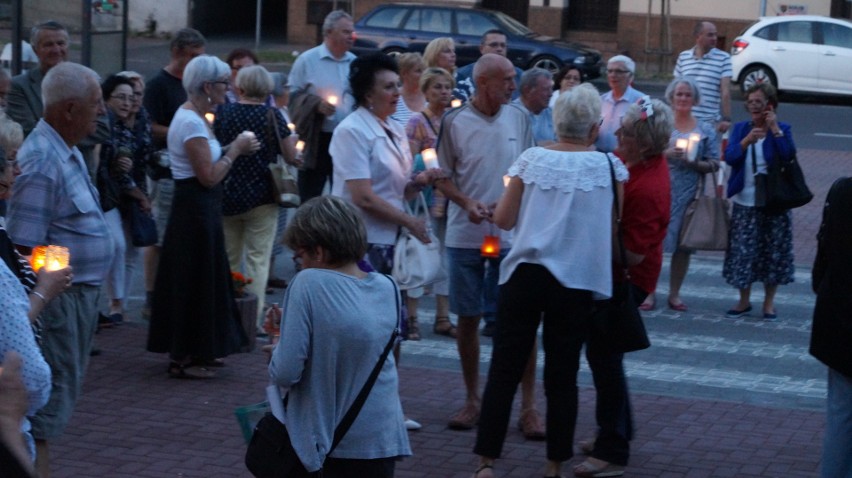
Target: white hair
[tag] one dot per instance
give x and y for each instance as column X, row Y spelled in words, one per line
column 628, row 62
column 68, row 81
column 576, row 111
column 203, row 69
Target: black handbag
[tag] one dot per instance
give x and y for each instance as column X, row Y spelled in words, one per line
column 617, row 319
column 782, row 188
column 270, row 453
column 143, row 229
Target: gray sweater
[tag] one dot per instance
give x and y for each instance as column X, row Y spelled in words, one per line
column 334, row 330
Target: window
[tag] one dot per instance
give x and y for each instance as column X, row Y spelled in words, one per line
column 765, row 33
column 436, row 20
column 470, row 23
column 413, row 22
column 387, row 18
column 836, row 35
column 796, row 32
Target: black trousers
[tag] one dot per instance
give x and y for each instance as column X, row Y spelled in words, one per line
column 312, row 181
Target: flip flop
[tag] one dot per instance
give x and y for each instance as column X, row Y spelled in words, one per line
column 678, row 307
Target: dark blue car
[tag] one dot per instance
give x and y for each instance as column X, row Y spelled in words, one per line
column 398, row 28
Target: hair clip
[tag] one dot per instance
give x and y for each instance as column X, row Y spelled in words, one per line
column 647, row 110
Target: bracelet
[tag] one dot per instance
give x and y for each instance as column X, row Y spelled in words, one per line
column 40, row 296
column 230, row 161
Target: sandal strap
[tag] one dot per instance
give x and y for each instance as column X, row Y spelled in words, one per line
column 484, row 466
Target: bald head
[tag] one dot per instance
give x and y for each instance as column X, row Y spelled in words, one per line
column 490, row 64
column 494, row 76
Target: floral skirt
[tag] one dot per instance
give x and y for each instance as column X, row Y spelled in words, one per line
column 760, row 248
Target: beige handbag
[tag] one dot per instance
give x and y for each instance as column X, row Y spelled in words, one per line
column 706, row 221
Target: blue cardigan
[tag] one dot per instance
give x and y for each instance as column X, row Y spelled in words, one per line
column 736, row 156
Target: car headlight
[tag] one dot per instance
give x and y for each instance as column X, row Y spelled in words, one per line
column 580, row 60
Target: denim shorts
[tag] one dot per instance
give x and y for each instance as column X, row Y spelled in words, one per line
column 473, row 282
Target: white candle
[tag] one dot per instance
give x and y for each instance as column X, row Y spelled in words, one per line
column 430, row 158
column 506, row 180
column 332, row 100
column 210, row 117
column 300, row 146
column 694, row 139
column 455, row 103
column 291, row 127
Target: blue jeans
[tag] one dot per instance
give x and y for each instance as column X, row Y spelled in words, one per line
column 473, row 282
column 837, row 447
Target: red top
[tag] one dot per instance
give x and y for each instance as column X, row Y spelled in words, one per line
column 644, row 219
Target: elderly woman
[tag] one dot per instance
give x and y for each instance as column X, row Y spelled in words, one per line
column 337, row 321
column 686, row 173
column 194, row 317
column 760, row 244
column 565, row 259
column 567, row 78
column 643, row 137
column 251, row 214
column 441, row 53
column 412, row 100
column 422, row 131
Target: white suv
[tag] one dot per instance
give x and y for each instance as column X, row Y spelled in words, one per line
column 807, row 53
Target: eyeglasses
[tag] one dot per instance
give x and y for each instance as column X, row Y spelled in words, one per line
column 496, row 44
column 127, row 98
column 617, row 72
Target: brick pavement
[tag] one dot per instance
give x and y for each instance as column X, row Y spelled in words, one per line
column 134, row 421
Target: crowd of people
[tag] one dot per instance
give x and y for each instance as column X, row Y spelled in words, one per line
column 192, row 149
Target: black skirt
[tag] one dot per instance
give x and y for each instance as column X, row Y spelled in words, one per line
column 193, row 312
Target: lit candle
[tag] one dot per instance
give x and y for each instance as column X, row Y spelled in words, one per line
column 506, row 180
column 37, row 257
column 490, row 246
column 291, row 127
column 300, row 146
column 56, row 258
column 430, row 158
column 682, row 144
column 455, row 103
column 210, row 117
column 332, row 100
column 694, row 139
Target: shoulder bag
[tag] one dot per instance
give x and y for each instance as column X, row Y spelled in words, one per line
column 284, row 185
column 143, row 228
column 782, row 188
column 270, row 453
column 706, row 221
column 617, row 320
column 416, row 264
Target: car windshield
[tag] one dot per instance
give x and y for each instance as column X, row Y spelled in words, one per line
column 513, row 26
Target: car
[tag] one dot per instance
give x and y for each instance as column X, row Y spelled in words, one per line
column 399, row 28
column 796, row 53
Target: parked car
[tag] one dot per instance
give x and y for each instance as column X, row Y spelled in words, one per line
column 398, row 28
column 806, row 53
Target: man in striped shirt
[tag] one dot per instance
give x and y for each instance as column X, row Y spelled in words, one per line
column 711, row 70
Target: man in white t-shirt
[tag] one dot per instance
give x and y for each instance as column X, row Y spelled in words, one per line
column 477, row 144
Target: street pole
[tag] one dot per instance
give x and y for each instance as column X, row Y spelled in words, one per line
column 762, row 8
column 257, row 26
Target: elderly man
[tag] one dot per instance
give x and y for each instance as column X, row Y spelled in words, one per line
column 619, row 75
column 164, row 94
column 478, row 143
column 536, row 89
column 50, row 42
column 493, row 41
column 710, row 67
column 319, row 81
column 55, row 202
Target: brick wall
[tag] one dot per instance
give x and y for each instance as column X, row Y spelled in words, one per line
column 546, row 20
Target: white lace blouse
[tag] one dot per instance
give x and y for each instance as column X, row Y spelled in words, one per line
column 565, row 219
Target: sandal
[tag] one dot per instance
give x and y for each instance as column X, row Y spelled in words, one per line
column 531, row 425
column 189, row 371
column 464, row 419
column 483, row 467
column 443, row 326
column 207, row 363
column 679, row 307
column 413, row 329
column 587, row 469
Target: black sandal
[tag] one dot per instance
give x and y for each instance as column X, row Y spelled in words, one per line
column 443, row 326
column 189, row 371
column 484, row 466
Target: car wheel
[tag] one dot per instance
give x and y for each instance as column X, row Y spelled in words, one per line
column 393, row 51
column 757, row 74
column 549, row 63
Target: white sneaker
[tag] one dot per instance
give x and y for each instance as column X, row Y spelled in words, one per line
column 412, row 425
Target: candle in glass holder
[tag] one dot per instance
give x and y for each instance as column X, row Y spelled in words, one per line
column 300, row 146
column 332, row 100
column 681, row 146
column 210, row 117
column 37, row 257
column 455, row 103
column 291, row 127
column 430, row 158
column 56, row 258
column 692, row 150
column 490, row 246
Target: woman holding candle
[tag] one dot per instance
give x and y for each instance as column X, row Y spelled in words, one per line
column 251, row 214
column 193, row 316
column 412, row 100
column 760, row 244
column 422, row 131
column 555, row 266
column 693, row 152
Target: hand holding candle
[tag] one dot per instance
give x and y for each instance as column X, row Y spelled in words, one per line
column 455, row 103
column 681, row 146
column 332, row 100
column 430, row 158
column 692, row 149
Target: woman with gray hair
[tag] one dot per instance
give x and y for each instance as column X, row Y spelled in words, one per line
column 193, row 316
column 643, row 137
column 248, row 204
column 554, row 268
column 687, row 168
